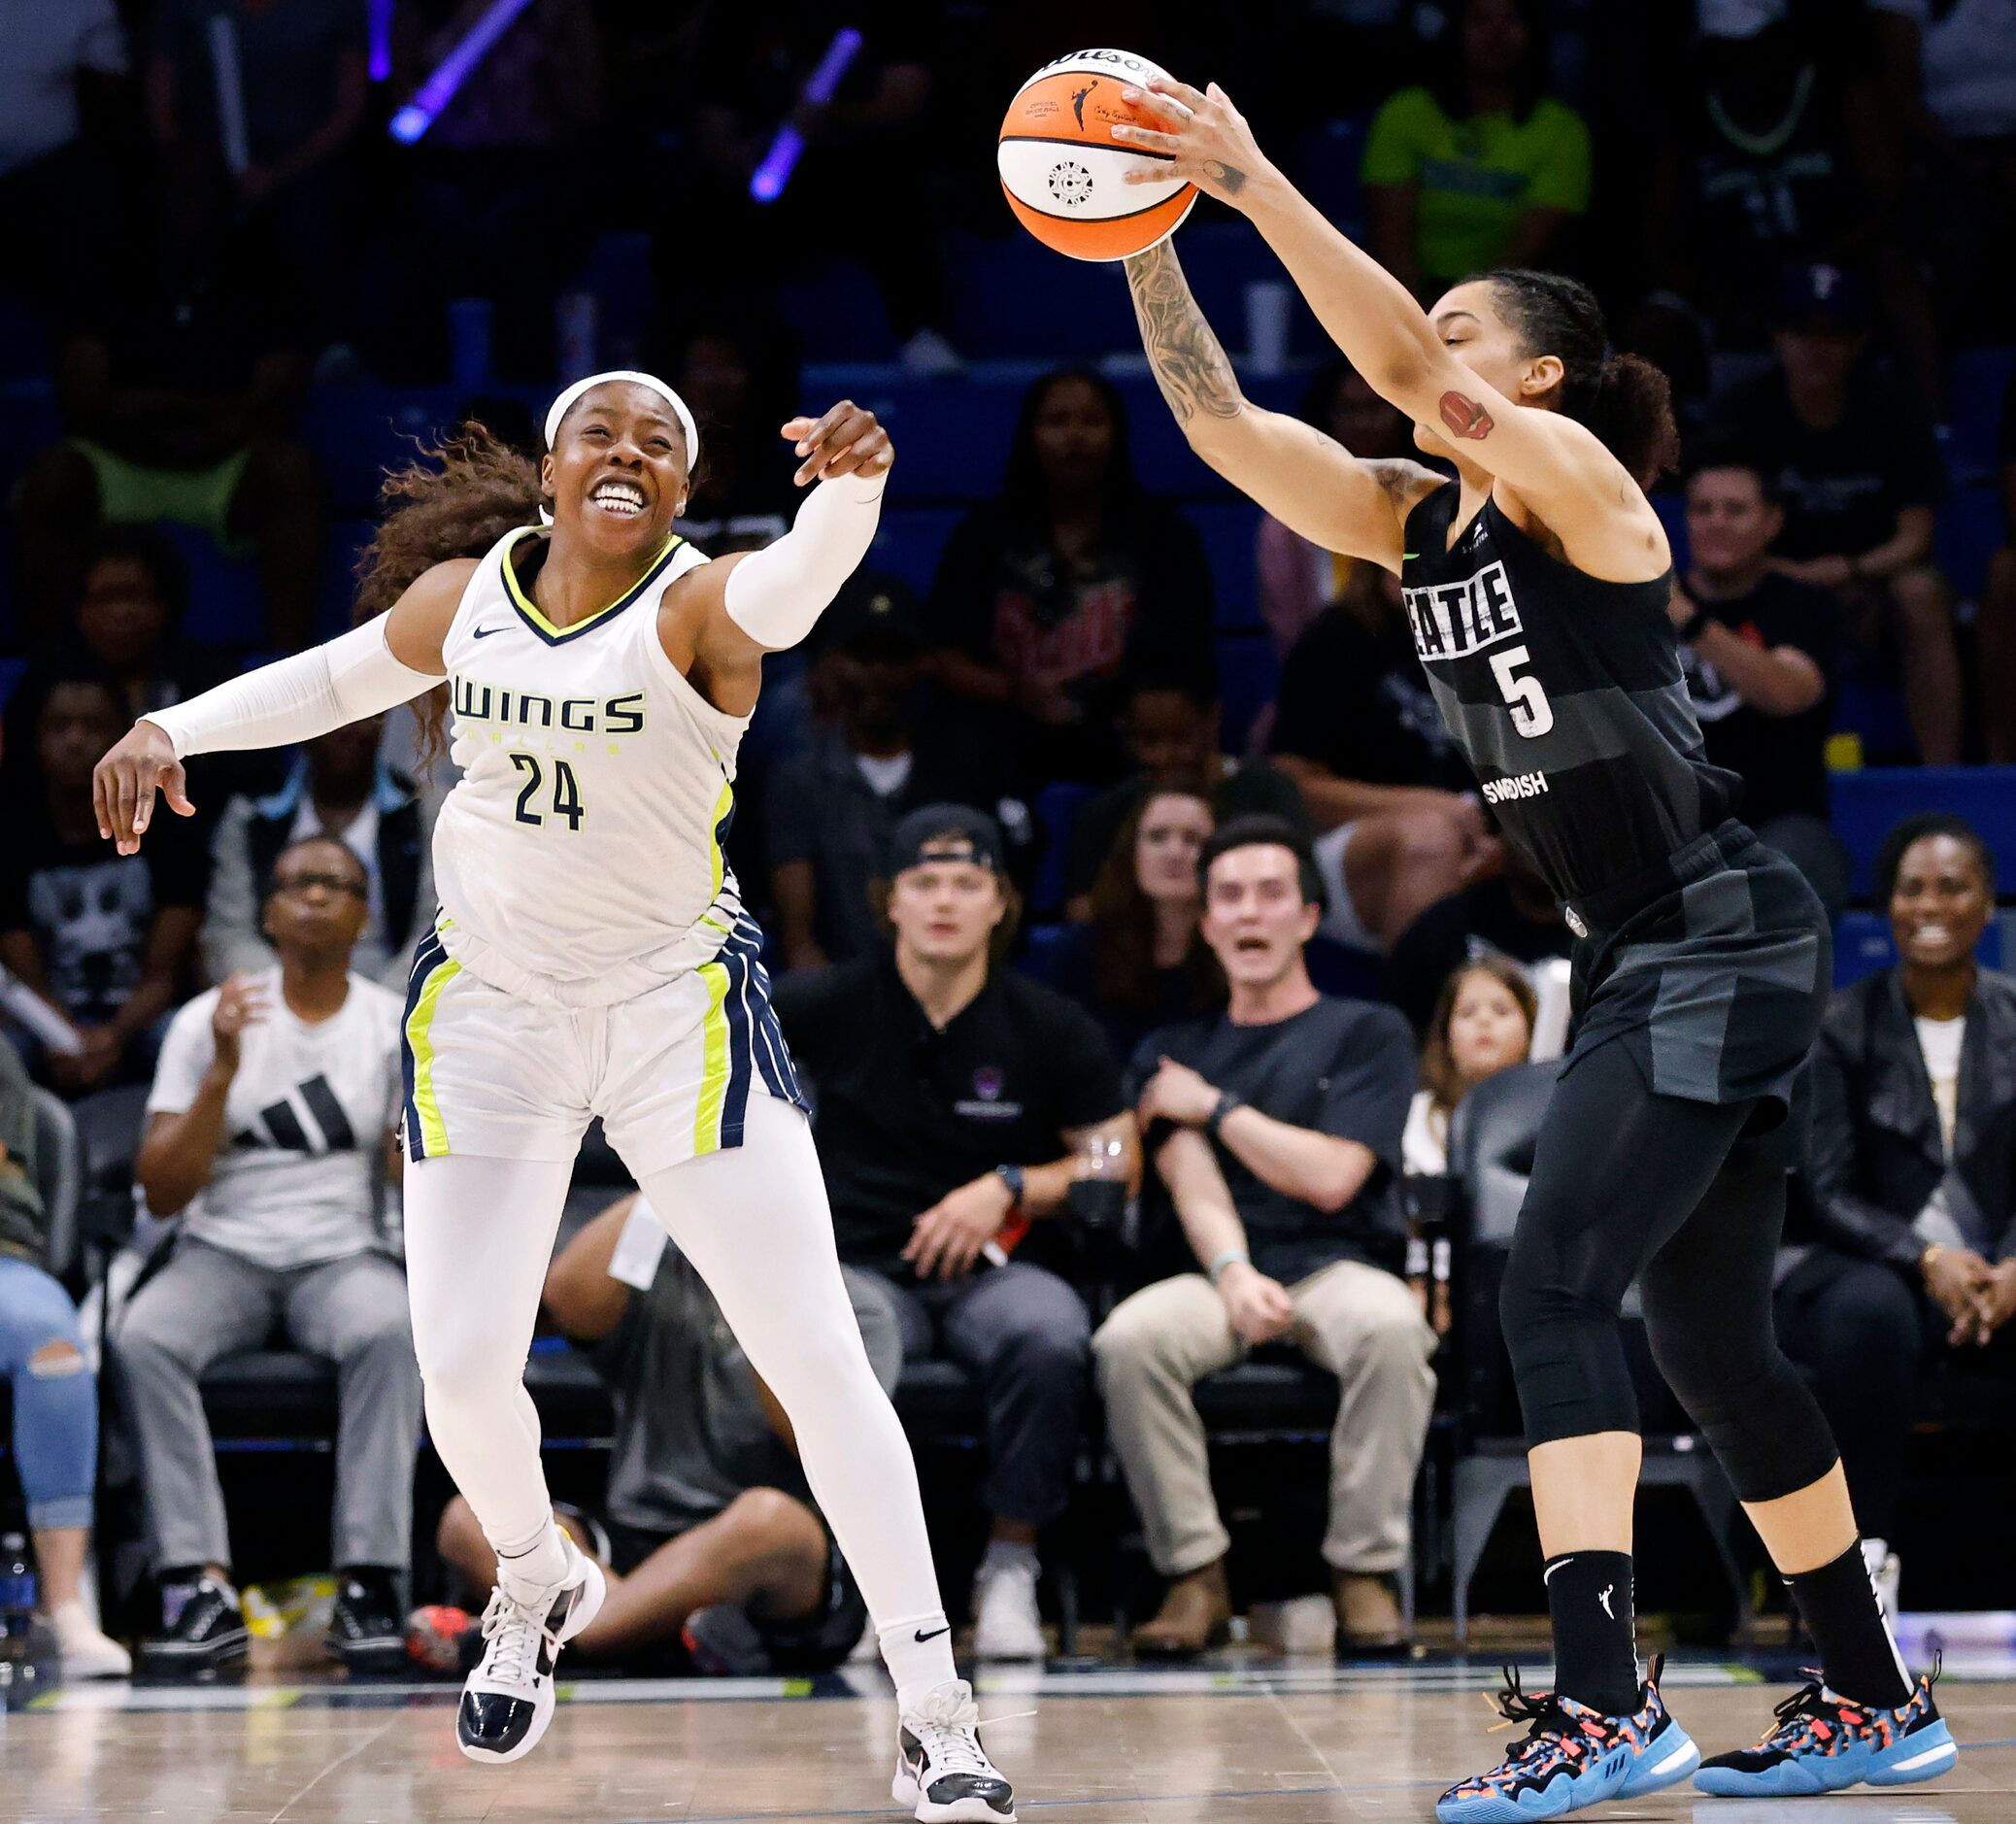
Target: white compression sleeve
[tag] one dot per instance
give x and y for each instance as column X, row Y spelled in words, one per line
column 776, row 594
column 295, row 699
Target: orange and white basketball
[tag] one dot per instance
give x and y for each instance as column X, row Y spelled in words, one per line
column 1062, row 170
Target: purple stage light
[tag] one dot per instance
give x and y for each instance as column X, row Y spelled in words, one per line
column 438, row 90
column 378, row 33
column 775, row 172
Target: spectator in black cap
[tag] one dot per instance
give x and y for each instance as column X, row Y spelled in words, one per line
column 956, row 1102
column 880, row 747
column 1860, row 475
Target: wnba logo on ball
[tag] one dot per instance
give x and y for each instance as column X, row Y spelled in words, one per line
column 1070, row 183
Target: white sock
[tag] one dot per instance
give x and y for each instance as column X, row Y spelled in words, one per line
column 1002, row 1553
column 528, row 1567
column 917, row 1652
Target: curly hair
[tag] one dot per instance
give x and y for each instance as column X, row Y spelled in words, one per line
column 455, row 501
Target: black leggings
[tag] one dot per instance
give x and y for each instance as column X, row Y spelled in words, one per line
column 1631, row 1185
column 1859, row 1331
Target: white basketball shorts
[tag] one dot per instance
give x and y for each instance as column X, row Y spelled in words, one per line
column 670, row 1072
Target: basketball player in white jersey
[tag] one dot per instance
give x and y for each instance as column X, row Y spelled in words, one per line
column 591, row 956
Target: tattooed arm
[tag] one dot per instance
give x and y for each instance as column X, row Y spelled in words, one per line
column 1557, row 467
column 1309, row 482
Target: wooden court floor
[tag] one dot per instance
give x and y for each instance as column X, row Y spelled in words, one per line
column 1281, row 1746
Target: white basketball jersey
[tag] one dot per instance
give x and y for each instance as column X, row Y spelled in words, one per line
column 578, row 858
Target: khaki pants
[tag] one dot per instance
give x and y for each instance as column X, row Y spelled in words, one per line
column 1362, row 1325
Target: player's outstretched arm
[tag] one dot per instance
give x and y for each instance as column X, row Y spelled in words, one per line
column 729, row 613
column 1306, row 480
column 1557, row 464
column 387, row 662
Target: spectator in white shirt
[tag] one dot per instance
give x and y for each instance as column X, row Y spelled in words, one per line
column 269, row 1133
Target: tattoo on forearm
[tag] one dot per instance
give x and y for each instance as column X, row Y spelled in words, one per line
column 1465, row 417
column 1230, row 177
column 1189, row 362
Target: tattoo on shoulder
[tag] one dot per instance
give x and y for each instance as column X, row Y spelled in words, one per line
column 1465, row 417
column 1188, row 362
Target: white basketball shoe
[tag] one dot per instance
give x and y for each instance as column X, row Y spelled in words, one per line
column 508, row 1699
column 942, row 1772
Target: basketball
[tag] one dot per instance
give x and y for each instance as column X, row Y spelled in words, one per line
column 1064, row 174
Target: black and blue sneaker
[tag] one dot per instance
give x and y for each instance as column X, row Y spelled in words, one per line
column 1823, row 1742
column 1572, row 1757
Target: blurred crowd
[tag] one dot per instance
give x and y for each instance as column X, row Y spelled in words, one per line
column 1063, row 949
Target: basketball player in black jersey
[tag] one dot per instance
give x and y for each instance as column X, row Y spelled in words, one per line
column 1538, row 584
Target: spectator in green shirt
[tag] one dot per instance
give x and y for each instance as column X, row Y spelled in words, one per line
column 1478, row 168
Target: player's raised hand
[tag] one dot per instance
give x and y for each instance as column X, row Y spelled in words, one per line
column 1207, row 138
column 847, row 441
column 124, row 782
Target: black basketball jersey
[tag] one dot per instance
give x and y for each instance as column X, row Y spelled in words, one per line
column 1566, row 697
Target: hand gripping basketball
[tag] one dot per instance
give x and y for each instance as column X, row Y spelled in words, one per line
column 1203, row 134
column 124, row 782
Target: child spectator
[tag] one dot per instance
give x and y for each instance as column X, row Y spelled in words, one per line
column 106, row 939
column 1053, row 595
column 1479, row 167
column 1483, row 1022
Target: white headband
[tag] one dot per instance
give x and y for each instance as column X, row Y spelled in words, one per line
column 559, row 409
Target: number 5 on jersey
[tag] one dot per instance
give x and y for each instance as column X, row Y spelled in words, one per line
column 1532, row 715
column 566, row 791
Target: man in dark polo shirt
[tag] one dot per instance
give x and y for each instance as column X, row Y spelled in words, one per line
column 953, row 1105
column 1275, row 1128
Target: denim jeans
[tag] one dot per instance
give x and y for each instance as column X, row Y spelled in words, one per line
column 56, row 1396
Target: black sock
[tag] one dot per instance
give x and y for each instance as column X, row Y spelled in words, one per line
column 1596, row 1646
column 1858, row 1657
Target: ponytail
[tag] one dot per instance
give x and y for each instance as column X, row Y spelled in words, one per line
column 1623, row 399
column 457, row 501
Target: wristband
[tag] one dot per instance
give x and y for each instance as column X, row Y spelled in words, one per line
column 1227, row 1101
column 1014, row 1178
column 1224, row 1260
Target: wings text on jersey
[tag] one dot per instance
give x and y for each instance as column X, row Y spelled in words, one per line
column 527, row 709
column 1453, row 619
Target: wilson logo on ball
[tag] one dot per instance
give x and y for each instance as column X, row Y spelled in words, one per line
column 1064, row 174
